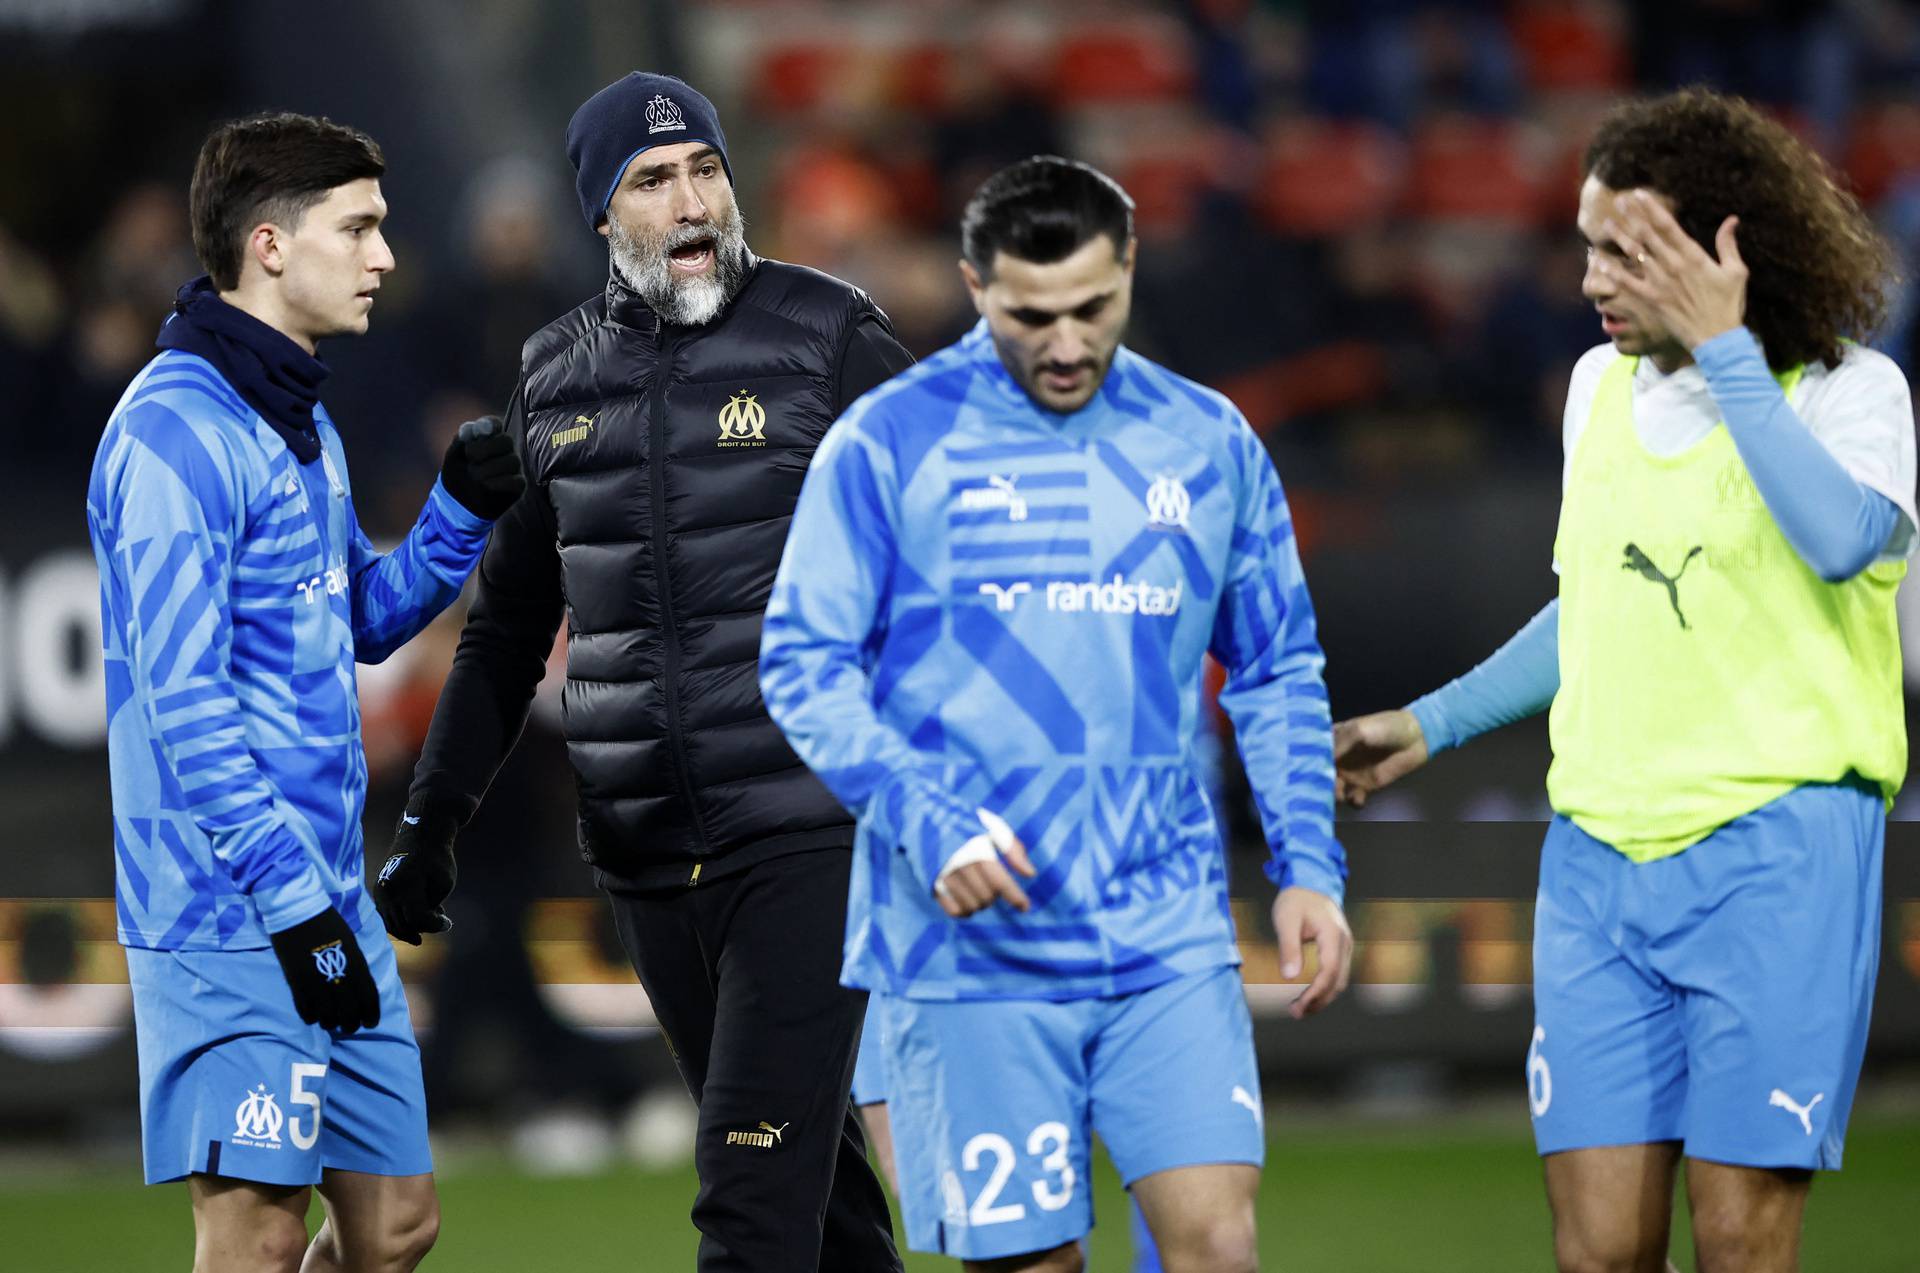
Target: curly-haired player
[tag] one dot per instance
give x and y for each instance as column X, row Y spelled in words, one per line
column 1723, row 667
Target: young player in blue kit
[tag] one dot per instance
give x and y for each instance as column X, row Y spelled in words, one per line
column 986, row 637
column 237, row 592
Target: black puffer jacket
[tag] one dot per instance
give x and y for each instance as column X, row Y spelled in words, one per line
column 665, row 463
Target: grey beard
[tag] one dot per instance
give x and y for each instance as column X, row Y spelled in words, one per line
column 691, row 302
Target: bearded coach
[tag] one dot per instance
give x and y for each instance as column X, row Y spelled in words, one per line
column 666, row 425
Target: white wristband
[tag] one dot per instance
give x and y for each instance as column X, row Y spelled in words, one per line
column 984, row 847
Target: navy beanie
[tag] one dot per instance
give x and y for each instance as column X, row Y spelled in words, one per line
column 626, row 117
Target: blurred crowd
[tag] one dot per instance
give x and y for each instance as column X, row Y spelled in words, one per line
column 1355, row 217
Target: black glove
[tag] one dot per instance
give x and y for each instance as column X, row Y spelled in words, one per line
column 418, row 874
column 327, row 973
column 481, row 469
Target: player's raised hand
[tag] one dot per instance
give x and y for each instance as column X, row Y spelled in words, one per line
column 1303, row 917
column 1691, row 292
column 1371, row 751
column 977, row 876
column 481, row 469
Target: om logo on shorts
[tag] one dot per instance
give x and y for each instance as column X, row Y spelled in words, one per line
column 257, row 1120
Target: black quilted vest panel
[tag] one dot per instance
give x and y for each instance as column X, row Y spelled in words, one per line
column 672, row 458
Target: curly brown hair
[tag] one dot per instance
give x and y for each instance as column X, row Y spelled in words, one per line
column 1819, row 273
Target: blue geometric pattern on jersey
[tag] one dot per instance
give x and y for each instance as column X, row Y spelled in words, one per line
column 236, row 593
column 987, row 605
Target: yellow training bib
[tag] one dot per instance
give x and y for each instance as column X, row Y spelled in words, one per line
column 1704, row 668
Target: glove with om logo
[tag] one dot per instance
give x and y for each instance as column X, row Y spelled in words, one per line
column 324, row 967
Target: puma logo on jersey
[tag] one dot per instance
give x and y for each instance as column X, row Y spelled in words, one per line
column 1780, row 1100
column 765, row 1138
column 1639, row 561
column 999, row 492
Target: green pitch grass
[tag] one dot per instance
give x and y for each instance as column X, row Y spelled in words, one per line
column 1448, row 1197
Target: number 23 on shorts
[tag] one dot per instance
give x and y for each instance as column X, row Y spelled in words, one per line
column 1049, row 1144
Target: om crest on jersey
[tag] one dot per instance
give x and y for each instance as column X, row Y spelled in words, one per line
column 1168, row 504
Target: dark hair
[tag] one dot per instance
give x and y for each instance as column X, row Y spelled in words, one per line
column 1043, row 209
column 1818, row 271
column 270, row 167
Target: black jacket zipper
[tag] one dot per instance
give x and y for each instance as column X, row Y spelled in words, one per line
column 663, row 585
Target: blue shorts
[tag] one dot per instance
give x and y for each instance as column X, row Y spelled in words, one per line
column 993, row 1103
column 870, row 1066
column 233, row 1083
column 1718, row 997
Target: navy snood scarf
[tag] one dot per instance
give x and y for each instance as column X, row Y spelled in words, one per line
column 276, row 377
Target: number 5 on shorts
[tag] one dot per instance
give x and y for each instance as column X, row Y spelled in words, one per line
column 297, row 1094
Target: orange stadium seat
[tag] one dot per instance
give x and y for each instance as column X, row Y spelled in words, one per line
column 1121, row 64
column 831, row 195
column 1477, row 170
column 802, row 75
column 1885, row 147
column 1571, row 46
column 795, row 77
column 922, row 75
column 1323, row 178
column 1166, row 186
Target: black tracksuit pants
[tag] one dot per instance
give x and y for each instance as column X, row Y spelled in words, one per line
column 744, row 976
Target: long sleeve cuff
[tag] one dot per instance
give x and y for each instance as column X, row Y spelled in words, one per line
column 925, row 820
column 289, row 891
column 1300, row 870
column 1435, row 725
column 459, row 515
